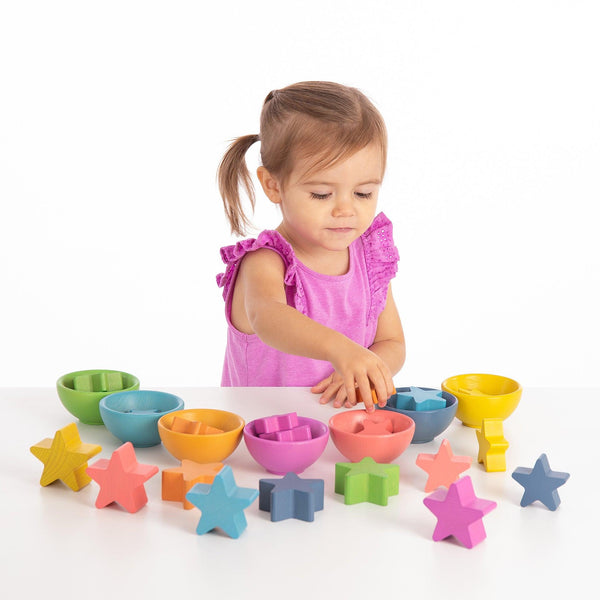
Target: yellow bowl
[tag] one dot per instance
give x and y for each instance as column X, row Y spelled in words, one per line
column 482, row 396
column 213, row 447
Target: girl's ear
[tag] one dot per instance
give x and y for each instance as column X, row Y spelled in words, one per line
column 269, row 184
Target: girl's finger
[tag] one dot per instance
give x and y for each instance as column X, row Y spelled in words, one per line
column 341, row 397
column 381, row 389
column 320, row 387
column 330, row 392
column 365, row 392
column 349, row 388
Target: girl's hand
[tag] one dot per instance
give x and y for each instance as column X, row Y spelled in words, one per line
column 356, row 368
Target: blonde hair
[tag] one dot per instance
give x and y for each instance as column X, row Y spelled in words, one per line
column 321, row 121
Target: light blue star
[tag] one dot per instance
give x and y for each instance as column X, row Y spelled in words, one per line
column 540, row 483
column 416, row 398
column 222, row 504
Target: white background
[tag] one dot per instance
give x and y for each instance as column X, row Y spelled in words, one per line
column 114, row 117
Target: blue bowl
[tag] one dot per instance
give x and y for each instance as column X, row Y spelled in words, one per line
column 133, row 416
column 428, row 423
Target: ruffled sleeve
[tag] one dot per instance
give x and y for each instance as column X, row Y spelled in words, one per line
column 381, row 256
column 233, row 255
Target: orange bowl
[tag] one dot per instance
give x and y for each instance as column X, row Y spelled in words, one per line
column 348, row 431
column 213, row 447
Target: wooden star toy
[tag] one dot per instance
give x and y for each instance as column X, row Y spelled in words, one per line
column 416, row 398
column 222, row 504
column 182, row 425
column 65, row 457
column 373, row 426
column 178, row 481
column 540, row 483
column 492, row 445
column 296, row 434
column 444, row 468
column 291, row 497
column 459, row 513
column 121, row 479
column 367, row 481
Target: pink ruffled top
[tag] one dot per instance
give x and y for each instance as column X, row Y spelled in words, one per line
column 349, row 303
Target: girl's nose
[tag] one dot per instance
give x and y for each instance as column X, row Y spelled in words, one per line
column 343, row 207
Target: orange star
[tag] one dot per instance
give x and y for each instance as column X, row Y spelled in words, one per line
column 65, row 458
column 121, row 479
column 444, row 468
column 183, row 425
column 177, row 482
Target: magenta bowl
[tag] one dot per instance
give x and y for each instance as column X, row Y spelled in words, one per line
column 285, row 457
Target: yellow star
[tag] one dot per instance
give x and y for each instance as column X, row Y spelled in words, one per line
column 65, row 458
column 492, row 445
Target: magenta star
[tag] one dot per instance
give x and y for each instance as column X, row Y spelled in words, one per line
column 459, row 512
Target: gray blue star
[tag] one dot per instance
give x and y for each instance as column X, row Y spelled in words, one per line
column 291, row 497
column 540, row 483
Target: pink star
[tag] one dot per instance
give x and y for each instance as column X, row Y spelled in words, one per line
column 444, row 467
column 374, row 426
column 459, row 513
column 121, row 479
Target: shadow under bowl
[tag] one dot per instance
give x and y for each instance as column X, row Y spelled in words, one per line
column 281, row 457
column 483, row 396
column 428, row 423
column 133, row 416
column 84, row 403
column 346, row 434
column 213, row 447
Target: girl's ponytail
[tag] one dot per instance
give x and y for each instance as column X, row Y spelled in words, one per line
column 231, row 173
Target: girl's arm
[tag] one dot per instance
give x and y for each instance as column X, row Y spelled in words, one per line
column 260, row 306
column 389, row 345
column 389, row 341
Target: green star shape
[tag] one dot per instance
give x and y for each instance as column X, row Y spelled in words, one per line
column 367, row 481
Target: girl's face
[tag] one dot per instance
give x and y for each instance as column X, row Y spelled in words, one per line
column 327, row 210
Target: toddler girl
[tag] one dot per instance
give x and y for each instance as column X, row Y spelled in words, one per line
column 310, row 303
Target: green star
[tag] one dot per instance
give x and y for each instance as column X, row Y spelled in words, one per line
column 366, row 481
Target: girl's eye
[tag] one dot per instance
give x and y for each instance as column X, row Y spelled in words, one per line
column 319, row 196
column 365, row 195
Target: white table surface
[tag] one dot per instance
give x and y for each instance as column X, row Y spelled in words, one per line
column 54, row 540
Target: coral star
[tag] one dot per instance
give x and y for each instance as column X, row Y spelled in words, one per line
column 444, row 467
column 121, row 479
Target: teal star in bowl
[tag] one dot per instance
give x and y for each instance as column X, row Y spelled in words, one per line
column 416, row 398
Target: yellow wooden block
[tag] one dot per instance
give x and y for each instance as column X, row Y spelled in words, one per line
column 65, row 457
column 492, row 445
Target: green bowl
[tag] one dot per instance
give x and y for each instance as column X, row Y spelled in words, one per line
column 81, row 391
